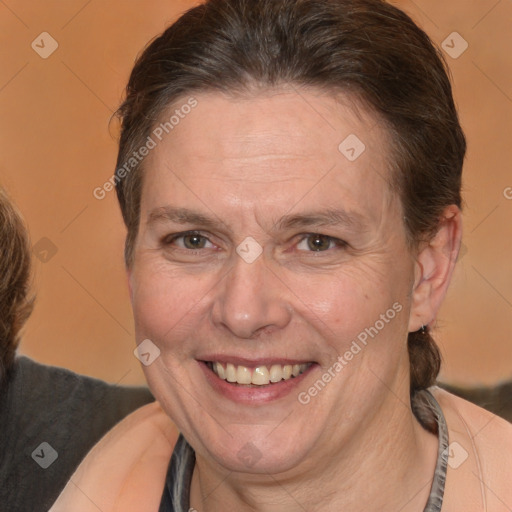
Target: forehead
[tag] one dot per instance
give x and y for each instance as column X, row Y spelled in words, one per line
column 306, row 141
column 307, row 121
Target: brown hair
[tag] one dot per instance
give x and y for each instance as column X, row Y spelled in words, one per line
column 16, row 301
column 366, row 48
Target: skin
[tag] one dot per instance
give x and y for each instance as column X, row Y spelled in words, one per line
column 246, row 163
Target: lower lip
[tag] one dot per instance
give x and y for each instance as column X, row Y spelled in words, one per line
column 253, row 394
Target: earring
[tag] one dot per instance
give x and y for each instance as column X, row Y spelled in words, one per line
column 423, row 330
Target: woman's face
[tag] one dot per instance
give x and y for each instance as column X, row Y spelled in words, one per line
column 269, row 238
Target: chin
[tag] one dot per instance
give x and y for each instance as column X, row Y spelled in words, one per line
column 253, row 450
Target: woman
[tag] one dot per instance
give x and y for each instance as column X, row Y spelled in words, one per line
column 289, row 174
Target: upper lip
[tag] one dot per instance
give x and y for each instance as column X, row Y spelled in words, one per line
column 252, row 362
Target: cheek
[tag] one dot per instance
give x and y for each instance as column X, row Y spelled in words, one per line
column 164, row 303
column 342, row 307
column 337, row 296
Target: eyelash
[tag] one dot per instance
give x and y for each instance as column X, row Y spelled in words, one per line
column 336, row 242
column 171, row 239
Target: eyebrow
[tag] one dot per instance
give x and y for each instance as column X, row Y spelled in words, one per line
column 317, row 218
column 328, row 217
column 181, row 216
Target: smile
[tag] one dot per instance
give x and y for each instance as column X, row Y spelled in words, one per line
column 262, row 375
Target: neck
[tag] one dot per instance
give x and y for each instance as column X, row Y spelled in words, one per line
column 386, row 465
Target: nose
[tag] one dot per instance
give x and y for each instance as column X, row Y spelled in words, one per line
column 251, row 300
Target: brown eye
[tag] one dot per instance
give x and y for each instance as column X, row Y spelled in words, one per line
column 190, row 241
column 194, row 241
column 319, row 242
column 315, row 242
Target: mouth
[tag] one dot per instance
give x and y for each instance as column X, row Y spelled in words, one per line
column 254, row 382
column 257, row 376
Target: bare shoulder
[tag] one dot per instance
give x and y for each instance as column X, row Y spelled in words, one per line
column 481, row 424
column 479, row 458
column 147, row 422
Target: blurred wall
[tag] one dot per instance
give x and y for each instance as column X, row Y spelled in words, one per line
column 56, row 147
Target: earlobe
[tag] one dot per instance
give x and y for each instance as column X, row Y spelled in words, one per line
column 434, row 268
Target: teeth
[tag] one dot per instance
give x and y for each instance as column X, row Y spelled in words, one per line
column 230, row 373
column 219, row 370
column 243, row 375
column 259, row 376
column 276, row 373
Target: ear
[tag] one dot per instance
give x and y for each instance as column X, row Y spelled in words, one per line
column 434, row 267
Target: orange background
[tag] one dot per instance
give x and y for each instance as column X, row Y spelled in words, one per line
column 56, row 147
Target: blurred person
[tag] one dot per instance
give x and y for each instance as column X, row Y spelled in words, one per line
column 38, row 403
column 289, row 173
